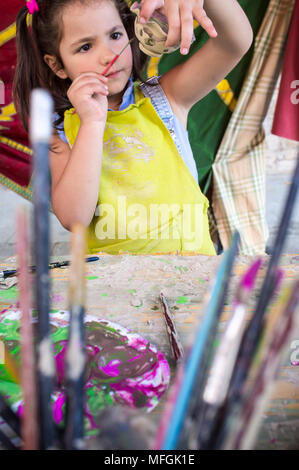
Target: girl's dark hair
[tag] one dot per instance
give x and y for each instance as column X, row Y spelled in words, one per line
column 44, row 37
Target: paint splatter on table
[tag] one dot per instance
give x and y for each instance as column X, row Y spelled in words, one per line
column 125, row 289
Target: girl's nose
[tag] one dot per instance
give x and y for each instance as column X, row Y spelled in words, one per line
column 106, row 56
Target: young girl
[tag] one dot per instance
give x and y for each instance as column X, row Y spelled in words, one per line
column 120, row 159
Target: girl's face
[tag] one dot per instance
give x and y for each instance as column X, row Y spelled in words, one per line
column 92, row 35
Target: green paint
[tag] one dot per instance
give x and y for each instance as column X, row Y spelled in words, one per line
column 11, row 293
column 164, row 260
column 98, row 399
column 61, row 334
column 9, row 329
column 104, row 295
column 5, row 375
column 90, row 278
column 201, row 281
column 182, row 300
column 181, row 268
column 132, row 291
column 10, row 390
column 54, row 311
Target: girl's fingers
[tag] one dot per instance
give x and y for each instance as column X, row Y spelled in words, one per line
column 89, row 89
column 186, row 29
column 84, row 75
column 201, row 17
column 89, row 81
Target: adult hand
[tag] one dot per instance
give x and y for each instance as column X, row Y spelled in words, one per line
column 180, row 15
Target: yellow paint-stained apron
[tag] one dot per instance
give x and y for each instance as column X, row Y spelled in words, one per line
column 148, row 200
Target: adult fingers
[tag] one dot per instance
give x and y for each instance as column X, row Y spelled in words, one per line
column 186, row 28
column 174, row 25
column 201, row 17
column 147, row 9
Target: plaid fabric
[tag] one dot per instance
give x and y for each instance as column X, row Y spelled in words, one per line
column 239, row 168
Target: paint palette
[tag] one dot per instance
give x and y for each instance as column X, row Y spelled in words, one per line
column 122, row 368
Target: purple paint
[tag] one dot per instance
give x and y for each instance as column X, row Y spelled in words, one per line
column 295, row 363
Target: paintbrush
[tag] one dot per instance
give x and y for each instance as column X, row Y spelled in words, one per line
column 252, row 333
column 9, row 416
column 55, row 264
column 40, row 135
column 277, row 339
column 194, row 406
column 192, row 376
column 106, row 70
column 29, row 421
column 75, row 356
column 242, row 368
column 6, row 442
column 115, row 58
column 222, row 367
column 174, row 339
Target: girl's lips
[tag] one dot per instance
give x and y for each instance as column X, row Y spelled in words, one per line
column 113, row 74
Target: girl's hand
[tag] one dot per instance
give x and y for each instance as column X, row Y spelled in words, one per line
column 88, row 94
column 180, row 15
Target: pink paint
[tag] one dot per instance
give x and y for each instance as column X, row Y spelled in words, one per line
column 138, row 343
column 249, row 278
column 5, row 310
column 112, row 368
column 295, row 363
column 57, row 408
column 92, row 350
column 60, row 363
column 134, row 358
column 20, row 410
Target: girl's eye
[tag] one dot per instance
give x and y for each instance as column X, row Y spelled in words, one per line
column 84, row 48
column 116, row 35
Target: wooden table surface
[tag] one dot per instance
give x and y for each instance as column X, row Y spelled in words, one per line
column 125, row 289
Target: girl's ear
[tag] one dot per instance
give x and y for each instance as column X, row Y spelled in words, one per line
column 51, row 61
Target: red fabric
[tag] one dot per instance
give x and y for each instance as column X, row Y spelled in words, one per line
column 14, row 163
column 286, row 116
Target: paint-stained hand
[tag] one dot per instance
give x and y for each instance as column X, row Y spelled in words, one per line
column 180, row 15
